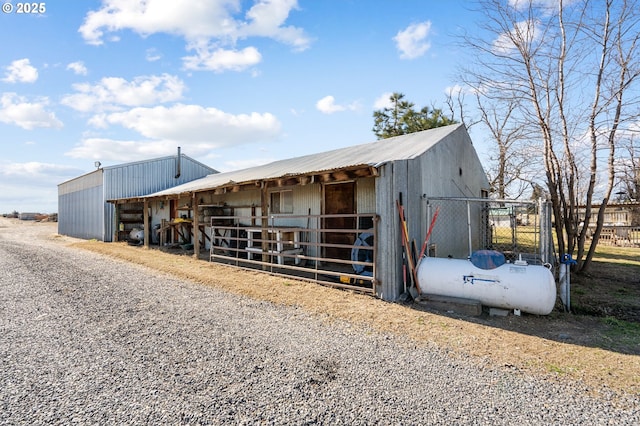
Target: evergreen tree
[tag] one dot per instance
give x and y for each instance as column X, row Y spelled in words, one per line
column 401, row 118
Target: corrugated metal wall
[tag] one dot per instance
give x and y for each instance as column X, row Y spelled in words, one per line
column 146, row 177
column 82, row 208
column 90, row 180
column 450, row 168
column 366, row 195
column 81, row 213
column 391, row 181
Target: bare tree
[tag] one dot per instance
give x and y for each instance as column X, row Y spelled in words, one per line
column 570, row 70
column 509, row 160
column 512, row 167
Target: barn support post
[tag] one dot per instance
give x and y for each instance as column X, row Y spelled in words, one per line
column 469, row 239
column 145, row 221
column 196, row 225
column 394, row 180
column 546, row 237
column 116, row 220
column 264, row 209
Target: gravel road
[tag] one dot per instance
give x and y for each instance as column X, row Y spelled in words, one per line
column 89, row 340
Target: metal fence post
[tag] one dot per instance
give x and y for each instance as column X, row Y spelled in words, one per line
column 546, row 240
column 469, row 228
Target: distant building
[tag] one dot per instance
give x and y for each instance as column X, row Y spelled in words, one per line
column 616, row 214
column 27, row 216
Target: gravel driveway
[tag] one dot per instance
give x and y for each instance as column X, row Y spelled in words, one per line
column 89, row 340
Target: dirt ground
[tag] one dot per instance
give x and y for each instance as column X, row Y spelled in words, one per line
column 598, row 346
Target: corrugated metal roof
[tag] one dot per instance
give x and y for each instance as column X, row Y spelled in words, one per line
column 403, row 147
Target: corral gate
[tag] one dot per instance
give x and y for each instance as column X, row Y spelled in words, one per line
column 518, row 229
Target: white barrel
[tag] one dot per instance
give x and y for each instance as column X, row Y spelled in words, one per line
column 136, row 234
column 529, row 288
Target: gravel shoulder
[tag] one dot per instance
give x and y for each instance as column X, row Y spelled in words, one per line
column 89, row 338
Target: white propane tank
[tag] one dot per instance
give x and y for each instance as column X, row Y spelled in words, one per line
column 529, row 288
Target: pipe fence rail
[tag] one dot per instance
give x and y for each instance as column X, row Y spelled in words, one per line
column 335, row 250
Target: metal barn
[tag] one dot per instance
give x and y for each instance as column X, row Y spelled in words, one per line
column 83, row 210
column 331, row 217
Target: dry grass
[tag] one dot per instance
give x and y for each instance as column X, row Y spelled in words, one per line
column 611, row 287
column 512, row 342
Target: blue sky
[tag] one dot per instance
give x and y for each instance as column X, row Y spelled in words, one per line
column 233, row 83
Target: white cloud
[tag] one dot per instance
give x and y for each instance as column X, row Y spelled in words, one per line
column 99, row 121
column 222, row 60
column 28, row 187
column 19, row 111
column 196, row 124
column 105, row 149
column 454, row 90
column 191, row 19
column 412, row 41
column 197, row 129
column 20, row 71
column 35, row 172
column 78, row 67
column 153, row 55
column 524, row 32
column 112, row 93
column 210, row 28
column 327, row 105
column 266, row 19
column 383, row 101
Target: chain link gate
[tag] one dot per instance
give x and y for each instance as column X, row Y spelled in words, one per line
column 518, row 229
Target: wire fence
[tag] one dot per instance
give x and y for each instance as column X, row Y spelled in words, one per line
column 518, row 229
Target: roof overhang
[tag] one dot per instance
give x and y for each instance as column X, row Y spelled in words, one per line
column 323, row 177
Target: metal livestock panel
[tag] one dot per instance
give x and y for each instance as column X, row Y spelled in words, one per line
column 81, row 213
